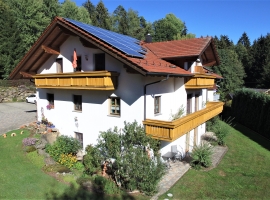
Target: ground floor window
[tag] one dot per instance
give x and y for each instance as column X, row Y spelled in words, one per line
column 114, row 106
column 79, row 137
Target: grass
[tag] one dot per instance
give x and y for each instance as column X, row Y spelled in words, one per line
column 242, row 174
column 21, row 176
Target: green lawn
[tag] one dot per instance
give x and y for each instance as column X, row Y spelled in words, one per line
column 20, row 179
column 242, row 174
column 21, row 176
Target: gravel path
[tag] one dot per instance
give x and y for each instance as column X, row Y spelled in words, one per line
column 13, row 115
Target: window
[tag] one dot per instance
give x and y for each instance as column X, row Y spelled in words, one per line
column 50, row 99
column 59, row 65
column 77, row 100
column 79, row 64
column 79, row 137
column 114, row 106
column 157, row 105
column 99, row 61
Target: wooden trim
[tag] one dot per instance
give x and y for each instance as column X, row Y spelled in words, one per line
column 172, row 130
column 49, row 50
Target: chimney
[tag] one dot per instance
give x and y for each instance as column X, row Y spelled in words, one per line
column 148, row 38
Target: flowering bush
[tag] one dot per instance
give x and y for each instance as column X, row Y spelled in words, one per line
column 49, row 106
column 29, row 141
column 67, row 160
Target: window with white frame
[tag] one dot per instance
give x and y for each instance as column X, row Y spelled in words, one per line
column 50, row 98
column 115, row 108
column 157, row 104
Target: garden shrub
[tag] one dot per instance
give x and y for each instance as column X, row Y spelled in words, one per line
column 29, row 149
column 201, row 156
column 221, row 130
column 29, row 141
column 132, row 169
column 212, row 123
column 105, row 185
column 92, row 160
column 78, row 165
column 67, row 160
column 63, row 145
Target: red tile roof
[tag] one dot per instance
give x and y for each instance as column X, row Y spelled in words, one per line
column 179, row 48
column 152, row 61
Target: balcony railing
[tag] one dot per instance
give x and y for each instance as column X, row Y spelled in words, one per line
column 94, row 80
column 171, row 130
column 199, row 81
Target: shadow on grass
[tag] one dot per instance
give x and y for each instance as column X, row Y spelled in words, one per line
column 256, row 137
column 82, row 193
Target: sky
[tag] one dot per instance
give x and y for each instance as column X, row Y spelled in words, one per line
column 205, row 17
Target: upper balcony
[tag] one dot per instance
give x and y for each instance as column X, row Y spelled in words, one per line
column 92, row 80
column 199, row 81
column 171, row 130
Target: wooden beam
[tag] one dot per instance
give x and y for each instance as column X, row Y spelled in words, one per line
column 49, row 50
column 88, row 44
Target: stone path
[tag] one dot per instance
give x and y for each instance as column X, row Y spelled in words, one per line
column 178, row 169
column 13, row 115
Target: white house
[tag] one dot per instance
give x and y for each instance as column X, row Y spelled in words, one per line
column 117, row 79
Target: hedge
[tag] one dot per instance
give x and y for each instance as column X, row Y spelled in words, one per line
column 252, row 109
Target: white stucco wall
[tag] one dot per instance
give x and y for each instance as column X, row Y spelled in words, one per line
column 95, row 117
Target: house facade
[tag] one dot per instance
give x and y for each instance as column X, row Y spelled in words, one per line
column 89, row 80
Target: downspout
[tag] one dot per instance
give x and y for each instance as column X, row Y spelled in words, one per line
column 145, row 92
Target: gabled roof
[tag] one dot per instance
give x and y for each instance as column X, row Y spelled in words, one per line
column 193, row 47
column 60, row 29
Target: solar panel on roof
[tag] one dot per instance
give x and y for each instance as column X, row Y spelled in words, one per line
column 124, row 43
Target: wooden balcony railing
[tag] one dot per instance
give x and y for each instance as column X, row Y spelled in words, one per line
column 94, row 80
column 171, row 130
column 199, row 81
column 199, row 69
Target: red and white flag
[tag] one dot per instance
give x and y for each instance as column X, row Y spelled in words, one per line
column 74, row 63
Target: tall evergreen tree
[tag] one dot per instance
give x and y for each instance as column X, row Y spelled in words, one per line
column 92, row 11
column 223, row 42
column 120, row 20
column 231, row 70
column 51, row 8
column 70, row 10
column 8, row 40
column 102, row 16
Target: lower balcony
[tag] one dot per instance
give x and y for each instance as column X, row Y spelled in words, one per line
column 172, row 130
column 94, row 80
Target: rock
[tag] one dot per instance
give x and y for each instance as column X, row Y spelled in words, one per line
column 50, row 137
column 49, row 161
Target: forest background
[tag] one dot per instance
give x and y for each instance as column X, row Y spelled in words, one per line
column 243, row 64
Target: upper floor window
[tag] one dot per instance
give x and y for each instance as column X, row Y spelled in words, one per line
column 50, row 99
column 77, row 100
column 99, row 60
column 59, row 65
column 157, row 104
column 115, row 106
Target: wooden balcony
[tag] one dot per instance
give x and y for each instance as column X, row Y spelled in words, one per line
column 199, row 81
column 94, row 80
column 172, row 130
